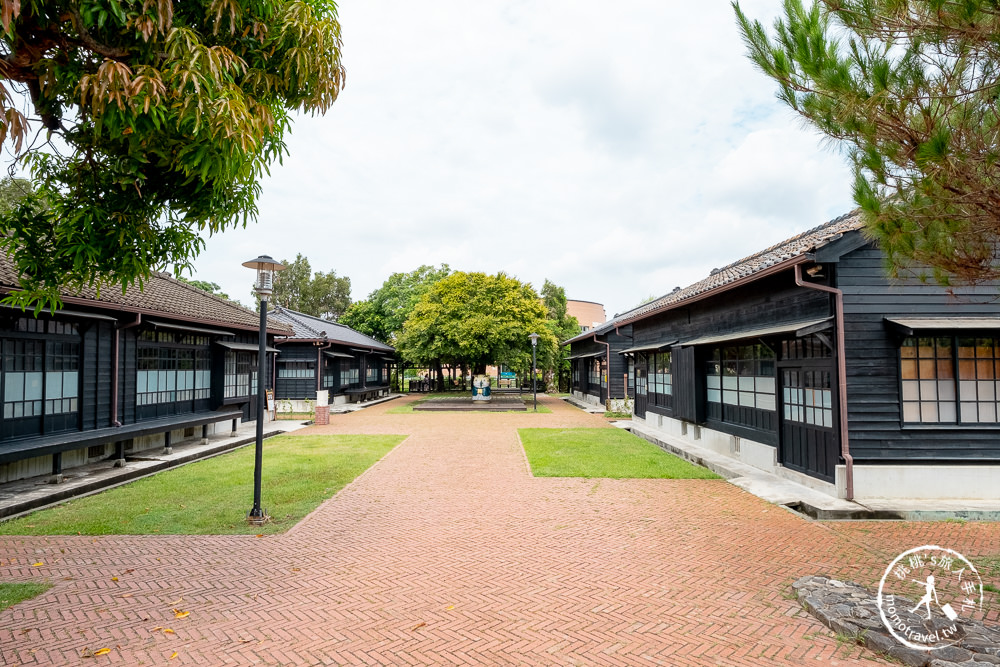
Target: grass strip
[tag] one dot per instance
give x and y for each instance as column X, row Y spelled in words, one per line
column 13, row 592
column 212, row 497
column 602, row 452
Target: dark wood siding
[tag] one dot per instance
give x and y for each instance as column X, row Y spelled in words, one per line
column 619, row 365
column 873, row 395
column 684, row 368
column 126, row 382
column 764, row 303
column 296, row 388
column 588, row 346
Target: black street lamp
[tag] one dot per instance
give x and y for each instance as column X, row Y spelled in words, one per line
column 266, row 268
column 534, row 384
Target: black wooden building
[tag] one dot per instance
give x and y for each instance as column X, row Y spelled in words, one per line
column 114, row 373
column 322, row 355
column 806, row 360
column 599, row 370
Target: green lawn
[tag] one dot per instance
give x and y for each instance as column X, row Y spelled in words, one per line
column 12, row 593
column 214, row 495
column 602, row 452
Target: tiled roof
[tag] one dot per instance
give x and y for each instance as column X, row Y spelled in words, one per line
column 720, row 279
column 161, row 294
column 307, row 327
column 599, row 329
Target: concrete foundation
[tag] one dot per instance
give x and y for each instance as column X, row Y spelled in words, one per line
column 938, row 482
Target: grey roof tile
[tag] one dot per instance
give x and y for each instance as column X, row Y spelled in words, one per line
column 721, row 279
column 307, row 327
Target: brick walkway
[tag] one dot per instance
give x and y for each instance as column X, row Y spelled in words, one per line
column 449, row 552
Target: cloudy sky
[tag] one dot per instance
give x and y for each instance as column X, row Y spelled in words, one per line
column 617, row 149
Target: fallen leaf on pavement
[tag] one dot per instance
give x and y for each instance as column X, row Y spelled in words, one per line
column 102, row 651
column 181, row 614
column 38, row 564
column 418, row 626
column 173, row 655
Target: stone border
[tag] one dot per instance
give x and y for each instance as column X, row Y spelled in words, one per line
column 851, row 610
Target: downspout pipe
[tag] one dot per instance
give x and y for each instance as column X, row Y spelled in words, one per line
column 845, row 449
column 114, row 366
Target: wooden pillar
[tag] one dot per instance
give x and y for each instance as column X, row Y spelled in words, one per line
column 233, row 434
column 57, row 476
column 167, row 449
column 119, row 454
column 204, row 434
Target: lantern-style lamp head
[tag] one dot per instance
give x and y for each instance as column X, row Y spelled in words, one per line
column 266, row 267
column 534, row 339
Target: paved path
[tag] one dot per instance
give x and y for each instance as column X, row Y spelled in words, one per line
column 449, row 552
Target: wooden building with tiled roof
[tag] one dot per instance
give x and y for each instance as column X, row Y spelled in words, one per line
column 806, row 360
column 320, row 355
column 113, row 373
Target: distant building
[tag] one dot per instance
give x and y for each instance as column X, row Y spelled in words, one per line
column 324, row 355
column 588, row 313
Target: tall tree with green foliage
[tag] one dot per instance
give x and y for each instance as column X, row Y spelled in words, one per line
column 476, row 319
column 162, row 115
column 384, row 312
column 910, row 88
column 204, row 285
column 562, row 326
column 324, row 295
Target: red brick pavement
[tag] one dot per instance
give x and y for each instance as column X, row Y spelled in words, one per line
column 448, row 552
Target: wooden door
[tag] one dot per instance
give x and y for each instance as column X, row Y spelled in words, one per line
column 809, row 442
column 641, row 386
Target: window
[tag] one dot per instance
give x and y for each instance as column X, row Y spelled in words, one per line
column 23, row 361
column 807, row 397
column 349, row 374
column 934, row 394
column 40, row 377
column 170, row 374
column 660, row 379
column 594, row 375
column 372, row 374
column 33, row 325
column 297, row 369
column 329, row 373
column 576, row 372
column 640, row 375
column 241, row 374
column 740, row 385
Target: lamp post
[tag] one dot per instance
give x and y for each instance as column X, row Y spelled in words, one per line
column 534, row 385
column 266, row 267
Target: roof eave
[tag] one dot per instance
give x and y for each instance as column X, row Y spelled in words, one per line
column 122, row 308
column 771, row 270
